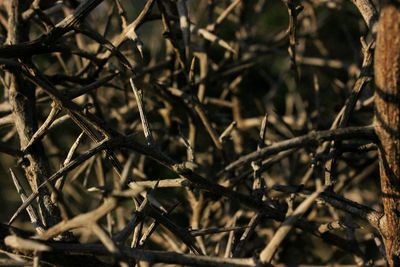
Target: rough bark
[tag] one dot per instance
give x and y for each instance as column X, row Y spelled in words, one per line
column 22, row 102
column 387, row 78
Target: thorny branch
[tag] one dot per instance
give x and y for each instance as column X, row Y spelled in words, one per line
column 178, row 171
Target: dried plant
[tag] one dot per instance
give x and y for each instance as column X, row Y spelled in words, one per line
column 199, row 133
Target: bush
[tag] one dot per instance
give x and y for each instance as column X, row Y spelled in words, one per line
column 204, row 133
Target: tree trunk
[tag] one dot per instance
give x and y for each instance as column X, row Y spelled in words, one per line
column 22, row 102
column 387, row 126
